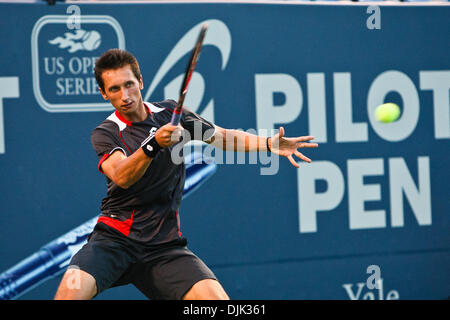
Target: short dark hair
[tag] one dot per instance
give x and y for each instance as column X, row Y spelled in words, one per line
column 115, row 59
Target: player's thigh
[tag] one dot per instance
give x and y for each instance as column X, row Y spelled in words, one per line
column 103, row 262
column 76, row 284
column 206, row 289
column 172, row 274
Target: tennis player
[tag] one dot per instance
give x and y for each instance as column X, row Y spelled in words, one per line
column 137, row 238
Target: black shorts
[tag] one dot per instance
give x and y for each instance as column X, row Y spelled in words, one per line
column 160, row 274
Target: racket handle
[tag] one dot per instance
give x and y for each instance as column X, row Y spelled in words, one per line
column 176, row 116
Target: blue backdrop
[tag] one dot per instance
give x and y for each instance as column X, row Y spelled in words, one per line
column 375, row 194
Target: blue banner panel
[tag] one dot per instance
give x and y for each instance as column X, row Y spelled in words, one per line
column 375, row 194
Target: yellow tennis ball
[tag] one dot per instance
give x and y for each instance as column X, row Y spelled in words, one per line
column 387, row 112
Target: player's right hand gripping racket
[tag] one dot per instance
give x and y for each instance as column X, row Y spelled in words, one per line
column 176, row 116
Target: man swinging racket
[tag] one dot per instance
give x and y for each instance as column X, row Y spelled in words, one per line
column 137, row 237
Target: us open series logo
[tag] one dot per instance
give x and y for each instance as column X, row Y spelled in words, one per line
column 63, row 61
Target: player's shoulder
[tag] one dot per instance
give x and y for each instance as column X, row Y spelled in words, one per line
column 112, row 124
column 167, row 104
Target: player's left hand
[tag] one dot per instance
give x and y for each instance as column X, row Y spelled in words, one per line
column 288, row 146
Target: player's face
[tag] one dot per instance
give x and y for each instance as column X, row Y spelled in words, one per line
column 122, row 89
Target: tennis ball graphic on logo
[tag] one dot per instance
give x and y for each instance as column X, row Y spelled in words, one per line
column 91, row 40
column 387, row 112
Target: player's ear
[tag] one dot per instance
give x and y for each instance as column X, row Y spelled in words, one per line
column 141, row 83
column 103, row 94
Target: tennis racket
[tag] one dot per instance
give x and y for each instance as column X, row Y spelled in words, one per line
column 176, row 116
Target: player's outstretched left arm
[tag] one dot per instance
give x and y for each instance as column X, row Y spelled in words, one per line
column 236, row 140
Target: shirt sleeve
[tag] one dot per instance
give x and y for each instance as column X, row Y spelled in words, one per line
column 199, row 128
column 104, row 144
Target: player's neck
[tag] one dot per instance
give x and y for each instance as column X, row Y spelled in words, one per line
column 137, row 116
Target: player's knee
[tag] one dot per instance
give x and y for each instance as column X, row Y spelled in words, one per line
column 207, row 289
column 76, row 284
